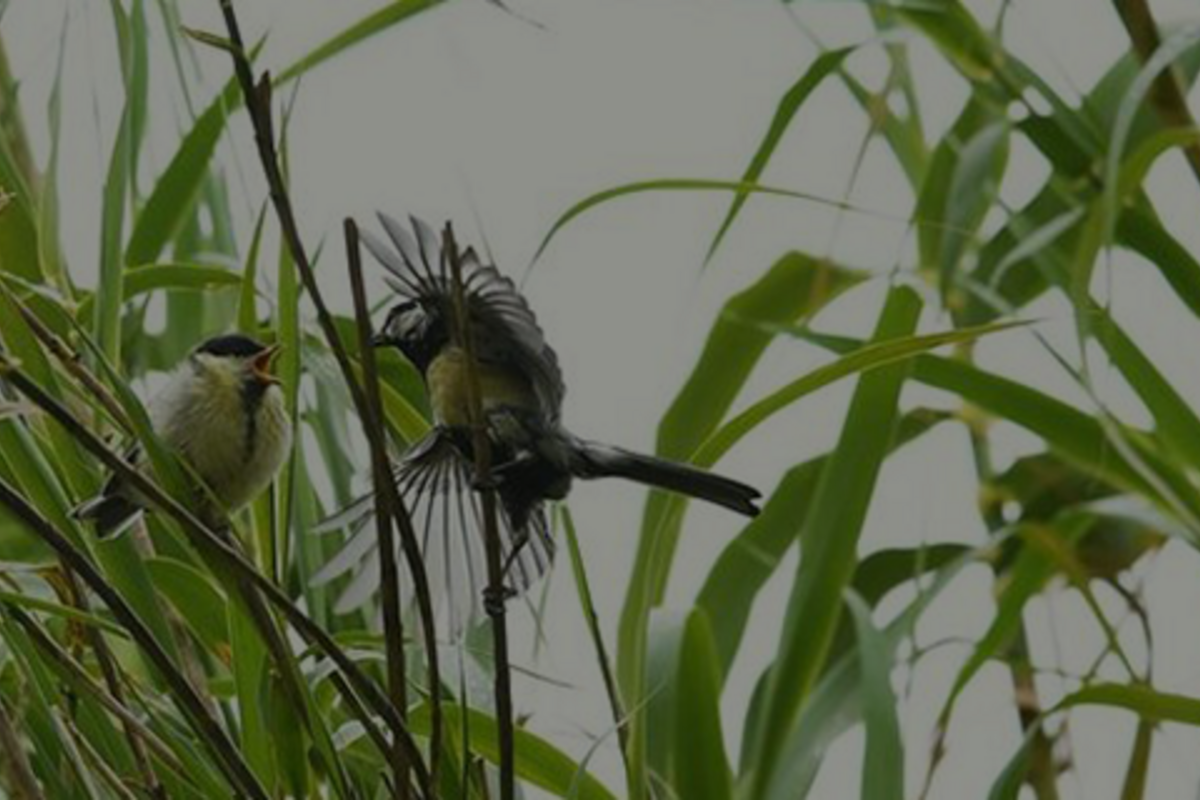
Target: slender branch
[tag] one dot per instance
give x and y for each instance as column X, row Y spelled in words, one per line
column 258, row 107
column 1166, row 95
column 1041, row 774
column 393, row 625
column 230, row 557
column 113, row 704
column 213, row 735
column 112, row 678
column 494, row 602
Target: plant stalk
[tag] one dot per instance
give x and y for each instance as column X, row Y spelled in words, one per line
column 494, row 602
column 258, row 107
column 381, row 473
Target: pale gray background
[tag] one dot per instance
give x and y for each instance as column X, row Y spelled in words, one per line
column 469, row 105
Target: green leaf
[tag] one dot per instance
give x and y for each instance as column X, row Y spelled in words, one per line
column 537, row 761
column 1079, row 438
column 1023, row 582
column 789, row 106
column 748, row 561
column 175, row 193
column 794, row 288
column 883, row 761
column 377, row 22
column 701, row 770
column 832, row 528
column 837, row 702
column 681, row 185
column 872, row 357
column 196, row 599
column 1146, row 702
column 158, row 277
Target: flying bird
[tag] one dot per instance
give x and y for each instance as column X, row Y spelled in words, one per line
column 534, row 457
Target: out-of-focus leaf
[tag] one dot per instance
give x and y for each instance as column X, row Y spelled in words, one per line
column 1176, row 424
column 196, row 599
column 247, row 314
column 701, row 769
column 952, row 28
column 832, row 529
column 1146, row 702
column 793, row 289
column 680, row 185
column 60, row 610
column 796, row 287
column 883, row 761
column 1137, row 774
column 537, row 761
column 747, row 562
column 954, row 195
column 836, row 703
column 1024, row 581
column 175, row 193
column 870, row 358
column 391, row 14
column 789, row 106
column 159, row 277
column 1076, row 436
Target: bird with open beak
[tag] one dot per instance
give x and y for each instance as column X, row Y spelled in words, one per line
column 222, row 412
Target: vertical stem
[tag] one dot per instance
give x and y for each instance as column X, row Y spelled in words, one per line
column 372, row 421
column 483, row 467
column 1041, row 775
column 258, row 107
column 1166, row 95
column 112, row 679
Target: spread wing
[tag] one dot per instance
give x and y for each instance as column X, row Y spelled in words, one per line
column 435, row 484
column 504, row 328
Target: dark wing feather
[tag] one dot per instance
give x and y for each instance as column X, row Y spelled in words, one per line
column 504, row 328
column 435, row 483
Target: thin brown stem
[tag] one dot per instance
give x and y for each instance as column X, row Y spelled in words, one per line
column 1166, row 95
column 14, row 763
column 372, row 422
column 112, row 679
column 491, row 530
column 229, row 557
column 258, row 106
column 114, row 705
column 213, row 735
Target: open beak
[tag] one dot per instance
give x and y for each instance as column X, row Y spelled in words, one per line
column 262, row 365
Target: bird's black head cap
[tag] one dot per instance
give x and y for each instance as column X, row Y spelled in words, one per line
column 233, row 344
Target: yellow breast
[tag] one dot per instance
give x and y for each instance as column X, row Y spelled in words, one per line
column 446, row 380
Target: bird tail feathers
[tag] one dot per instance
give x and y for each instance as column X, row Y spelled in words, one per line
column 109, row 513
column 593, row 460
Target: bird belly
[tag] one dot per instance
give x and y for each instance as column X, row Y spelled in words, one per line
column 213, row 438
column 446, row 381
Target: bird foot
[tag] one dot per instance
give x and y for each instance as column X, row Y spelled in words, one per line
column 494, row 599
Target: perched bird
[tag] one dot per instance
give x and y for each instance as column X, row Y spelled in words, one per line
column 222, row 413
column 534, row 458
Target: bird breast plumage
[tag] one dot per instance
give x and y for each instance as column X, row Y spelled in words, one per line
column 446, row 380
column 233, row 446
